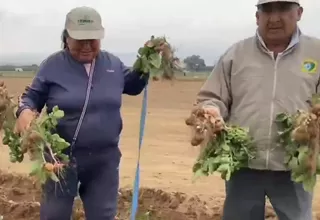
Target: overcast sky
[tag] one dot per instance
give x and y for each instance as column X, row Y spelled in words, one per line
column 204, row 27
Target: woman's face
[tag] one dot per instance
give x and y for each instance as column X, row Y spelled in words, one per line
column 83, row 50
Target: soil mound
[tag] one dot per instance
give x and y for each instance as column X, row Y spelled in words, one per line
column 20, row 196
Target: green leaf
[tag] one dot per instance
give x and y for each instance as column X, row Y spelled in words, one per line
column 64, row 158
column 43, row 176
column 145, row 64
column 13, row 159
column 197, row 166
column 318, row 164
column 212, row 166
column 281, row 117
column 58, row 114
column 224, row 175
column 150, row 44
column 54, row 137
column 228, row 175
column 315, row 99
column 217, row 159
column 225, row 159
column 142, row 50
column 35, row 168
column 137, row 64
column 154, row 72
column 60, row 144
column 223, row 168
column 205, row 166
column 293, row 164
column 226, row 147
column 155, row 60
column 54, row 177
column 302, row 157
column 299, row 179
column 310, row 183
column 5, row 140
column 303, row 149
column 197, row 175
column 230, row 151
column 287, row 158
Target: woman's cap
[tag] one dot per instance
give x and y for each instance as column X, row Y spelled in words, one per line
column 84, row 23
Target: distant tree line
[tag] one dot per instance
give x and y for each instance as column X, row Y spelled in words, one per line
column 33, row 67
column 192, row 63
column 197, row 64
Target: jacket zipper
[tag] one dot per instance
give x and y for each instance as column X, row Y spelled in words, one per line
column 272, row 107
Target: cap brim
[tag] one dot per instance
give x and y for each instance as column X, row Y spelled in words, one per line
column 271, row 1
column 86, row 35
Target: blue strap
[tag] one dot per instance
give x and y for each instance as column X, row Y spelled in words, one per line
column 135, row 197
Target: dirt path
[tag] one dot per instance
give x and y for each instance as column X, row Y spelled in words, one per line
column 167, row 158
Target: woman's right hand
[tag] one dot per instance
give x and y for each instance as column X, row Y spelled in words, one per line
column 24, row 120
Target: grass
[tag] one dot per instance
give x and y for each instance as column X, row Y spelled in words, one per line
column 144, row 216
column 14, row 74
column 191, row 76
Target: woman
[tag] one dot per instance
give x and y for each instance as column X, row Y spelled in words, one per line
column 87, row 84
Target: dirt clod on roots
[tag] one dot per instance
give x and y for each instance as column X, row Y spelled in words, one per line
column 20, row 196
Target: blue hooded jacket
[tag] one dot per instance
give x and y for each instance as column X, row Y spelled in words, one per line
column 62, row 81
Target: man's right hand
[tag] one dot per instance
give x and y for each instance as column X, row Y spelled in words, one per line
column 214, row 112
column 24, row 120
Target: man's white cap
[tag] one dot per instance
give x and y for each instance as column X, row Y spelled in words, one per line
column 261, row 2
column 84, row 23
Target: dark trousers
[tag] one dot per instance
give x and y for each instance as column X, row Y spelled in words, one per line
column 247, row 190
column 98, row 175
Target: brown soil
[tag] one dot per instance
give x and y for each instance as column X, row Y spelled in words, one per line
column 20, row 196
column 166, row 162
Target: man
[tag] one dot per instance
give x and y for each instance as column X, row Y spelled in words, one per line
column 272, row 72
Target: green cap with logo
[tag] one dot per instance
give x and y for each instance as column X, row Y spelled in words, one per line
column 261, row 2
column 84, row 23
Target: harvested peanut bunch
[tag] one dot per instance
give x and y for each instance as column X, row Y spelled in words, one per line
column 42, row 145
column 224, row 148
column 299, row 134
column 157, row 58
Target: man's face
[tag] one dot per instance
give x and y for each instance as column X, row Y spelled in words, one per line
column 277, row 21
column 83, row 50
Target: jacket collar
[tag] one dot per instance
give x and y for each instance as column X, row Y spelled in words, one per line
column 294, row 40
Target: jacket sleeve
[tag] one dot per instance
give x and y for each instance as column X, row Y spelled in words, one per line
column 36, row 95
column 216, row 91
column 134, row 81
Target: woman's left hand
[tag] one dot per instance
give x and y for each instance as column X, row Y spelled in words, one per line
column 161, row 47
